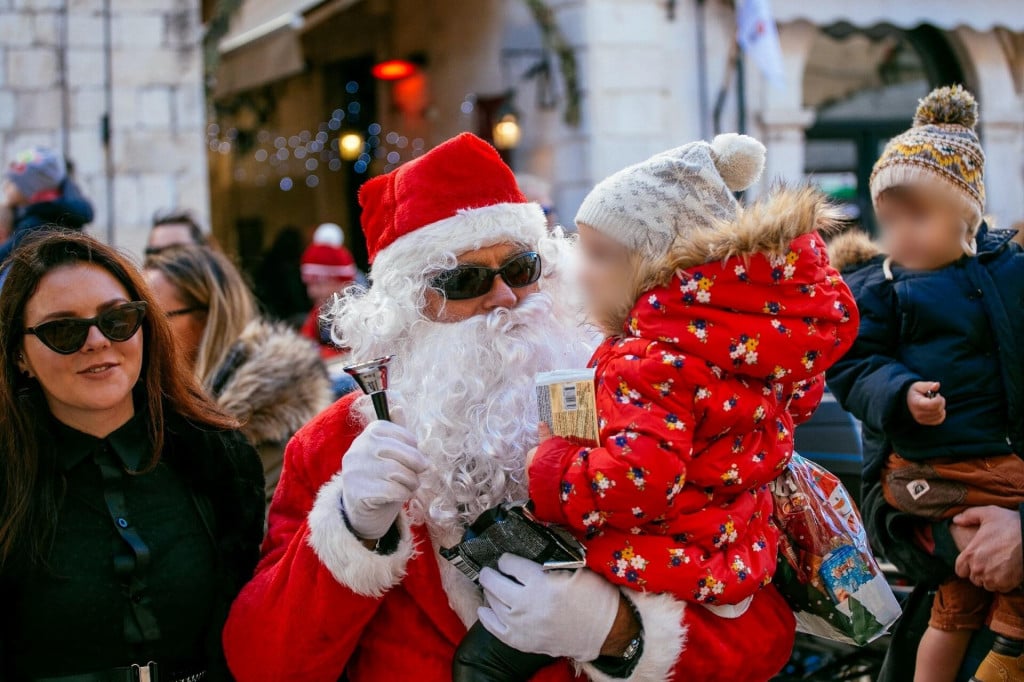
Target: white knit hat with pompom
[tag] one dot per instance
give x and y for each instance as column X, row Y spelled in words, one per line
column 649, row 205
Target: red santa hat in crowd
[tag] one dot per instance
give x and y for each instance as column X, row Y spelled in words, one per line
column 458, row 197
column 327, row 257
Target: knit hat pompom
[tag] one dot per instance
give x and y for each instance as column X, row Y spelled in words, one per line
column 739, row 159
column 951, row 105
column 330, row 234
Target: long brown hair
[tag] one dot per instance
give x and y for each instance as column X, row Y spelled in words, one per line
column 29, row 484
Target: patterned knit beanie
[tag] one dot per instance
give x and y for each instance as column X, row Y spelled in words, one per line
column 36, row 171
column 942, row 147
column 647, row 206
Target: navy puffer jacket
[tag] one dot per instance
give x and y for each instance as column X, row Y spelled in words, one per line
column 960, row 326
column 71, row 210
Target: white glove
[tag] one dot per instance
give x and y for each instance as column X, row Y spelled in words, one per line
column 730, row 610
column 557, row 613
column 380, row 473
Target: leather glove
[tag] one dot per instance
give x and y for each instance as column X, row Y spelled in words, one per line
column 482, row 657
column 558, row 613
column 380, row 473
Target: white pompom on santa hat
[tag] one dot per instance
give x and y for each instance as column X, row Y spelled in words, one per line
column 458, row 197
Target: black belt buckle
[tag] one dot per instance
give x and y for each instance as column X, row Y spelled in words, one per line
column 145, row 673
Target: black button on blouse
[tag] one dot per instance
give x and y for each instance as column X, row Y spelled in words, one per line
column 132, row 575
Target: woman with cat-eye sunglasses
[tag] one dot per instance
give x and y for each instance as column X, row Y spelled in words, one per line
column 132, row 506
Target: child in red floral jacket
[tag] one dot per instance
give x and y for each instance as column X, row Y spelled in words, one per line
column 720, row 323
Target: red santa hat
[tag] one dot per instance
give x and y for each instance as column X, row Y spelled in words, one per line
column 458, row 197
column 326, row 258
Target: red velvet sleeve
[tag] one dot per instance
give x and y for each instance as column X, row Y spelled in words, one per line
column 805, row 398
column 295, row 620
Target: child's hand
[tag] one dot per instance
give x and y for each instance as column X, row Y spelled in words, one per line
column 926, row 405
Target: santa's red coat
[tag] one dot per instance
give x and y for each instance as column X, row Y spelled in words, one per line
column 322, row 604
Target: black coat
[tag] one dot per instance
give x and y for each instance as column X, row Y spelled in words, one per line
column 213, row 479
column 961, row 326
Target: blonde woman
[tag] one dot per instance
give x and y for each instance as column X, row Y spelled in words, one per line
column 263, row 374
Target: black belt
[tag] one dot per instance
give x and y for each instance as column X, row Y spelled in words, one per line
column 133, row 673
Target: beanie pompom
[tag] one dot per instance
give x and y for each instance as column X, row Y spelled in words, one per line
column 951, row 105
column 329, row 234
column 739, row 159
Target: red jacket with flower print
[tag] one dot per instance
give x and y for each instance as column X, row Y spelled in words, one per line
column 697, row 400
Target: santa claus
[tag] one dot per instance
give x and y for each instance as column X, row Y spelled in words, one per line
column 473, row 297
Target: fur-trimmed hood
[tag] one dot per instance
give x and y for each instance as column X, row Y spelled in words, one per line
column 273, row 381
column 852, row 249
column 766, row 227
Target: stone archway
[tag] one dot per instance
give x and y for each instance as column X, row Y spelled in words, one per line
column 850, row 90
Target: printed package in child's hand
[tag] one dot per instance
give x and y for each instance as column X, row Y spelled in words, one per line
column 567, row 403
column 826, row 570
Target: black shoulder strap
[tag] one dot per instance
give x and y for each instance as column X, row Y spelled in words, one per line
column 140, row 623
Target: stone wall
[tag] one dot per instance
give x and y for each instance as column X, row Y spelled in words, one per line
column 54, row 90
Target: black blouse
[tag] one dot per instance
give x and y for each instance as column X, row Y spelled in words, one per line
column 136, row 571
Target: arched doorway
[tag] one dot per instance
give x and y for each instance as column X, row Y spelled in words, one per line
column 863, row 86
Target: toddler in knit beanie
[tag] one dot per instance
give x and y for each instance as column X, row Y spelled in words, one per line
column 720, row 321
column 631, row 221
column 932, row 376
column 932, row 176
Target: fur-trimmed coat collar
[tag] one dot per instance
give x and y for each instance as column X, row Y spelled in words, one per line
column 768, row 227
column 273, row 381
column 852, row 249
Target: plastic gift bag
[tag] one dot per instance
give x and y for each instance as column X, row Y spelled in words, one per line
column 826, row 569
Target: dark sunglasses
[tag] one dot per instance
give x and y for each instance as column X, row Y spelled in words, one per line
column 186, row 311
column 68, row 335
column 471, row 281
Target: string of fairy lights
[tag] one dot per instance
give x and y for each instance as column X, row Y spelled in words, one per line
column 265, row 156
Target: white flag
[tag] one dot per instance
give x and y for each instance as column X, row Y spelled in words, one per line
column 759, row 38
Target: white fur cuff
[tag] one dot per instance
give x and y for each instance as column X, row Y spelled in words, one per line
column 362, row 570
column 664, row 638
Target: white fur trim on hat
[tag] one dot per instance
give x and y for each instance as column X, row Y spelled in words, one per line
column 468, row 230
column 317, row 270
column 661, row 617
column 362, row 570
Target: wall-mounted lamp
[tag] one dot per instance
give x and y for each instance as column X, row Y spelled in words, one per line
column 350, row 146
column 507, row 132
column 399, row 69
column 393, row 69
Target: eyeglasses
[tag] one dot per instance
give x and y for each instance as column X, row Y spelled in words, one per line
column 471, row 281
column 68, row 335
column 185, row 311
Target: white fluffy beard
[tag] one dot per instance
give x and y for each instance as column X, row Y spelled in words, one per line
column 466, row 390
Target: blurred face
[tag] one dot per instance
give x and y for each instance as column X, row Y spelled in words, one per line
column 500, row 295
column 171, row 234
column 186, row 325
column 90, row 389
column 922, row 230
column 604, row 271
column 320, row 290
column 12, row 195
